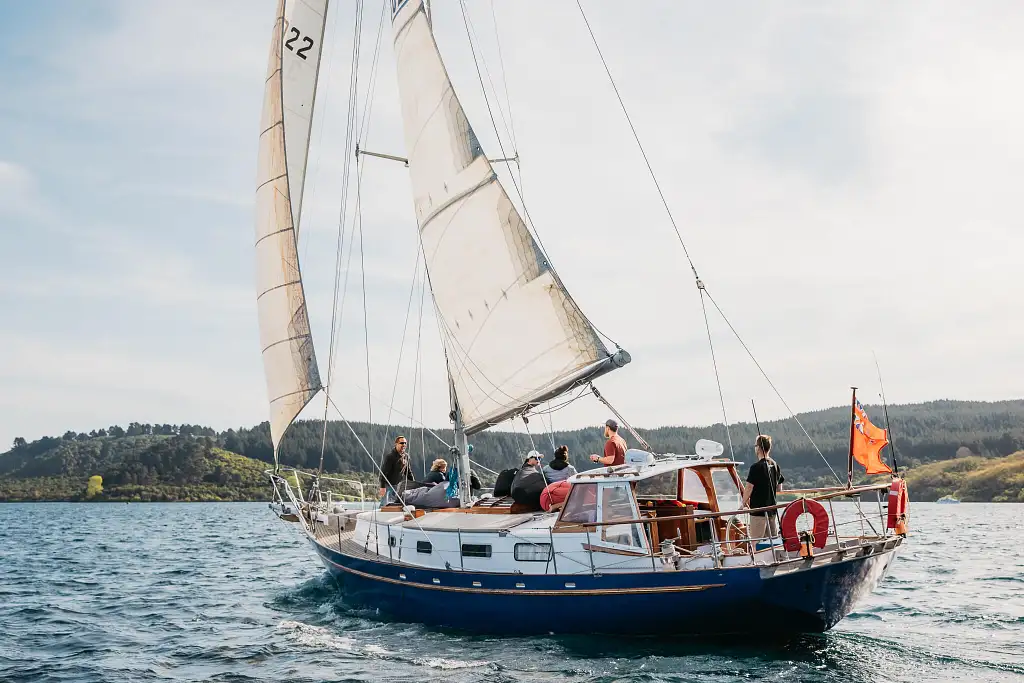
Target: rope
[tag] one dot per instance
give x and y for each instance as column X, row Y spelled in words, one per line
column 714, row 363
column 770, row 383
column 353, row 92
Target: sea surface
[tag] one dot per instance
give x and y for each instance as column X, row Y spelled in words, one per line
column 226, row 592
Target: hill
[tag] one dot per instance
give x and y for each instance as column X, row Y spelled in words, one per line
column 191, row 462
column 972, row 479
column 135, row 468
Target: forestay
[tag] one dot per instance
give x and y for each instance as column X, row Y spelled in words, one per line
column 512, row 334
column 288, row 358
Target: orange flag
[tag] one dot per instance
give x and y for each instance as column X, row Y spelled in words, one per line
column 868, row 442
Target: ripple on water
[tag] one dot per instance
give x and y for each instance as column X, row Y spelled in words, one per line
column 224, row 592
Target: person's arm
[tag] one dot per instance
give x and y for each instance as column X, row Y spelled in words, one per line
column 748, row 489
column 609, row 454
column 782, row 478
column 383, row 474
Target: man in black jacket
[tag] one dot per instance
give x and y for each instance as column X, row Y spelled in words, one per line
column 395, row 471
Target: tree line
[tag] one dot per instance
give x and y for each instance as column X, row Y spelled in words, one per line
column 923, row 433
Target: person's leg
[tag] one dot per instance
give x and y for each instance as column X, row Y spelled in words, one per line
column 772, row 523
column 756, row 530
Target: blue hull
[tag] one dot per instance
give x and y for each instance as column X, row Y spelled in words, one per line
column 714, row 601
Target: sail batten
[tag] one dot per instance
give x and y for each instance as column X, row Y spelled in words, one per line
column 289, row 360
column 512, row 334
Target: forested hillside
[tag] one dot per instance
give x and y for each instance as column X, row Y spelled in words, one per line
column 191, row 462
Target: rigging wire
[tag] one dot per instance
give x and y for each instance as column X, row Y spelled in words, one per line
column 362, row 272
column 386, row 427
column 319, row 134
column 504, row 82
column 551, row 428
column 508, row 100
column 348, row 424
column 508, row 131
column 718, row 381
column 526, row 212
column 349, row 133
column 682, row 243
column 770, row 383
column 636, row 137
column 417, row 373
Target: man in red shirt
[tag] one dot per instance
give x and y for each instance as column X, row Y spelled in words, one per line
column 614, row 448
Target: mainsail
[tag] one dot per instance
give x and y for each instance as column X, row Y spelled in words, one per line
column 288, row 358
column 513, row 335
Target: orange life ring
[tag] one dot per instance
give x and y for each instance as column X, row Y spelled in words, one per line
column 899, row 501
column 791, row 539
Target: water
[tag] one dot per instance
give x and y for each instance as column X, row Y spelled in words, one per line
column 226, row 592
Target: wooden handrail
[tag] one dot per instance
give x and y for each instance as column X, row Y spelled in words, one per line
column 712, row 515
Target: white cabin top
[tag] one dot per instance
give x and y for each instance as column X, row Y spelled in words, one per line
column 641, row 464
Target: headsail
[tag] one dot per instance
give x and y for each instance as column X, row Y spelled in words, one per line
column 513, row 335
column 288, row 358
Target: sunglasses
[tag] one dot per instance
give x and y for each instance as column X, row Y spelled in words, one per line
column 403, row 443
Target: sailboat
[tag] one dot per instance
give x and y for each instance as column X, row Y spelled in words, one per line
column 657, row 545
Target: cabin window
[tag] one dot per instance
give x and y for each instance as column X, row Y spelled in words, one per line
column 617, row 504
column 533, row 552
column 424, row 547
column 660, row 487
column 581, row 507
column 474, row 550
column 726, row 491
column 693, row 487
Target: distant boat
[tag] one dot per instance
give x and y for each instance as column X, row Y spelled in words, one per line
column 947, row 499
column 657, row 545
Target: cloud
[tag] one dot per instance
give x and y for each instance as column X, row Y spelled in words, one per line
column 844, row 181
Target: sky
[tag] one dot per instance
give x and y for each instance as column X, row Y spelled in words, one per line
column 845, row 177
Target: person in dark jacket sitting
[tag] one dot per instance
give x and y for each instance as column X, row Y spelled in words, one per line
column 559, row 468
column 395, row 472
column 438, row 472
column 529, row 482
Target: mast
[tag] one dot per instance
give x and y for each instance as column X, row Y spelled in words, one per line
column 853, row 419
column 289, row 360
column 512, row 334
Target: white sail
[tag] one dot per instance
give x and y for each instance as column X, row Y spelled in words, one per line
column 288, row 358
column 512, row 334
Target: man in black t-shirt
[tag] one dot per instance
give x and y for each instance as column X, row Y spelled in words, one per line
column 763, row 482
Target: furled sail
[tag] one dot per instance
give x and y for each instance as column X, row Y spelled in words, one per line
column 288, row 358
column 512, row 334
